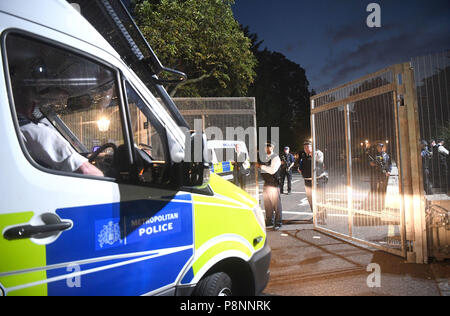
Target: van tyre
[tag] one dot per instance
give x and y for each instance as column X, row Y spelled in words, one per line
column 217, row 284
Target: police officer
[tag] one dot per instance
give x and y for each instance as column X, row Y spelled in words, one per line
column 443, row 155
column 45, row 145
column 270, row 171
column 287, row 162
column 427, row 156
column 305, row 168
column 380, row 171
column 241, row 167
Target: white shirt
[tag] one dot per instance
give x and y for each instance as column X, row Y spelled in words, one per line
column 48, row 147
column 443, row 150
column 275, row 164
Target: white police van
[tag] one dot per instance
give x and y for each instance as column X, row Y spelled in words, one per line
column 111, row 206
column 222, row 154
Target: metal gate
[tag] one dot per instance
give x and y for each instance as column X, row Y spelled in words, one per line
column 352, row 126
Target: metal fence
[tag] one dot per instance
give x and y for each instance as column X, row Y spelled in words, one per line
column 354, row 127
column 225, row 114
column 228, row 115
column 432, row 78
column 432, row 82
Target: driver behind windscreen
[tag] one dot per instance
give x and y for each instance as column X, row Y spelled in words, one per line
column 45, row 145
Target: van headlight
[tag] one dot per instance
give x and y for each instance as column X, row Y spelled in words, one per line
column 260, row 217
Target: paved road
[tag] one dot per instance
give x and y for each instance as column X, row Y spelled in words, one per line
column 306, row 262
column 295, row 206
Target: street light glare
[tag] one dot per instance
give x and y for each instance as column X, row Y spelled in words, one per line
column 103, row 124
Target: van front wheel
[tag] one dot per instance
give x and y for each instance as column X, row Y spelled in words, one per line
column 217, row 284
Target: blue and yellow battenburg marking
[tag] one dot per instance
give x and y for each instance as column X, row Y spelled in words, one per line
column 127, row 248
column 221, row 167
column 131, row 247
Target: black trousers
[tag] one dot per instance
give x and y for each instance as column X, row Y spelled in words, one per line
column 444, row 177
column 378, row 188
column 283, row 175
column 427, row 182
column 239, row 179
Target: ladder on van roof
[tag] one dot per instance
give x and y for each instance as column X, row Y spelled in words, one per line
column 114, row 22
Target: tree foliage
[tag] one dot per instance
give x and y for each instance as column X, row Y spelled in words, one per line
column 282, row 95
column 445, row 133
column 202, row 39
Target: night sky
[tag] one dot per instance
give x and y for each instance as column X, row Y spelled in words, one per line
column 330, row 38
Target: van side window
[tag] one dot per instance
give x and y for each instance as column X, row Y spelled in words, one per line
column 67, row 107
column 150, row 138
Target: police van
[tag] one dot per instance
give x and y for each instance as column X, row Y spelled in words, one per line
column 222, row 154
column 98, row 194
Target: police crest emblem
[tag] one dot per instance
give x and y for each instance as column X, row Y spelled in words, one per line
column 109, row 235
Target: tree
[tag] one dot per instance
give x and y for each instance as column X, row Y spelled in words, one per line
column 282, row 95
column 202, row 39
column 444, row 134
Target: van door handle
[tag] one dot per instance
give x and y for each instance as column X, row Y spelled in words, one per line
column 42, row 231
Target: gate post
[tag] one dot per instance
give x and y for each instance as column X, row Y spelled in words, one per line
column 411, row 166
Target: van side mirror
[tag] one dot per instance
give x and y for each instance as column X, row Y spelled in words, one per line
column 195, row 168
column 195, row 174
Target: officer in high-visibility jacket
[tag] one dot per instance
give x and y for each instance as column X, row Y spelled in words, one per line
column 270, row 171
